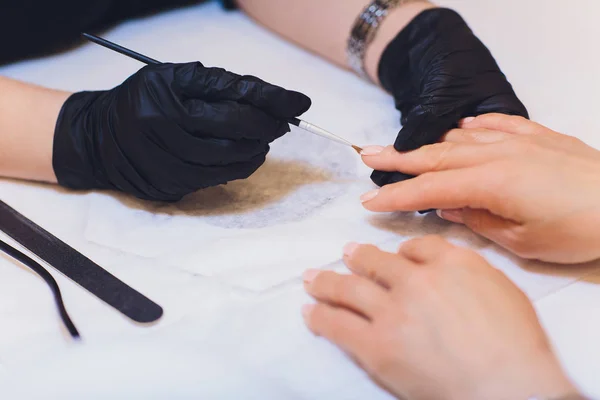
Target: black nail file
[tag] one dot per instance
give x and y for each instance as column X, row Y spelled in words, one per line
column 77, row 267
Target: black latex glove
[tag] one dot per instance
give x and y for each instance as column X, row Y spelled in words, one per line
column 439, row 72
column 170, row 130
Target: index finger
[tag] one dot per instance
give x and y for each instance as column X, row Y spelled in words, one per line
column 232, row 120
column 433, row 157
column 476, row 135
column 476, row 187
column 218, row 84
column 505, row 123
column 382, row 267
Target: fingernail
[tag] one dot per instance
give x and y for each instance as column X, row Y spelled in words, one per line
column 371, row 150
column 466, row 121
column 451, row 215
column 350, row 248
column 310, row 274
column 369, row 195
column 306, row 310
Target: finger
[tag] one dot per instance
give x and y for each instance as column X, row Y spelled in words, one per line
column 435, row 157
column 244, row 170
column 505, row 123
column 497, row 229
column 342, row 327
column 425, row 249
column 423, row 129
column 201, row 176
column 191, row 176
column 218, row 152
column 183, row 147
column 217, row 84
column 384, row 268
column 349, row 291
column 383, row 178
column 476, row 187
column 475, row 135
column 232, row 120
column 455, row 216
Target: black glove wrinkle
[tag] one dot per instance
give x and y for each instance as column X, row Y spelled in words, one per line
column 169, row 130
column 439, row 72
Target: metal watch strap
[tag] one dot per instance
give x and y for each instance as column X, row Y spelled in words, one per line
column 365, row 29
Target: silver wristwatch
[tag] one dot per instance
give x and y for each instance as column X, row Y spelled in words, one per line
column 365, row 29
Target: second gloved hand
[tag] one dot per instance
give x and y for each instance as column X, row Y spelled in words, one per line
column 170, row 130
column 439, row 72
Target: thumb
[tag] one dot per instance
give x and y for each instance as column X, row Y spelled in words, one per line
column 495, row 228
column 423, row 128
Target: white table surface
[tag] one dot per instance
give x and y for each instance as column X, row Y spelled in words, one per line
column 219, row 340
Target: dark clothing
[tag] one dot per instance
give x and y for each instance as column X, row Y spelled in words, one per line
column 32, row 28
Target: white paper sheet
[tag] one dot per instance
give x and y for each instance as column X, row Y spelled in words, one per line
column 187, row 352
column 251, row 349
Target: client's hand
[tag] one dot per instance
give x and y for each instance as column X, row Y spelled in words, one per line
column 439, row 72
column 170, row 130
column 435, row 321
column 529, row 189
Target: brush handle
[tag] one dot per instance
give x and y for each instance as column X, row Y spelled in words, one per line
column 120, row 49
column 147, row 60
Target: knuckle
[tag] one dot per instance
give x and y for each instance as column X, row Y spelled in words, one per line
column 474, row 136
column 575, row 140
column 407, row 247
column 474, row 220
column 436, row 155
column 509, row 122
column 425, row 184
column 522, row 250
column 380, row 363
column 340, row 289
column 520, row 242
column 412, row 245
column 389, row 151
column 433, row 241
column 517, row 120
column 524, row 144
column 513, row 147
column 371, row 273
column 455, row 132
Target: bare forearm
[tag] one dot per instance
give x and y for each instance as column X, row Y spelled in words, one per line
column 323, row 27
column 28, row 115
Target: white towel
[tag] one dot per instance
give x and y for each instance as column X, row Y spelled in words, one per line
column 251, row 349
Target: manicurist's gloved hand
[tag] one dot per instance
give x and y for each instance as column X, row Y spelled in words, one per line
column 439, row 72
column 170, row 130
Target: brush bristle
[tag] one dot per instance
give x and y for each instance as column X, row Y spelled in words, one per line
column 357, row 149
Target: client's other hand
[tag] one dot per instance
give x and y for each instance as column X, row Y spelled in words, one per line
column 435, row 321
